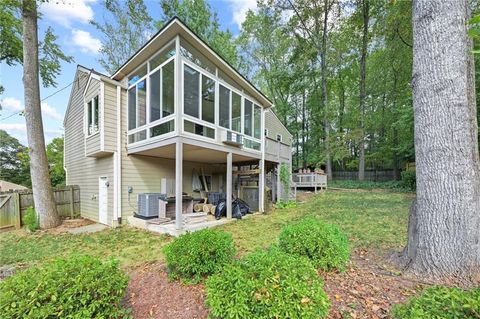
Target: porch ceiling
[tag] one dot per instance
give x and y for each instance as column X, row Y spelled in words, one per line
column 194, row 153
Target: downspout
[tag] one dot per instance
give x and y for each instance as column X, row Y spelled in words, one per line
column 118, row 159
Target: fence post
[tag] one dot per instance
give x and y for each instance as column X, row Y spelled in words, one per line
column 18, row 210
column 72, row 204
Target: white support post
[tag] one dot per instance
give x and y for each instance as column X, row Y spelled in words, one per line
column 279, row 191
column 261, row 186
column 178, row 184
column 229, row 185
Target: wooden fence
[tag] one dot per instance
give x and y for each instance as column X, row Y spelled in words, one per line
column 370, row 175
column 13, row 205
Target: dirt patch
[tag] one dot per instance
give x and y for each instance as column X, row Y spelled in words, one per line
column 151, row 295
column 367, row 289
column 68, row 224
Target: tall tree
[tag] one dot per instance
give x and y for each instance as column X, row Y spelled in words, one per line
column 42, row 189
column 199, row 16
column 443, row 226
column 126, row 26
column 365, row 7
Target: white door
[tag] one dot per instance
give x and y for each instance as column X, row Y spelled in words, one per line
column 102, row 199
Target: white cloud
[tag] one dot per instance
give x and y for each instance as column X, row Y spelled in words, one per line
column 66, row 11
column 13, row 127
column 11, row 104
column 14, row 105
column 85, row 41
column 51, row 112
column 240, row 8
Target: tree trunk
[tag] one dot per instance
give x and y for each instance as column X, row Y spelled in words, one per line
column 443, row 240
column 363, row 76
column 304, row 122
column 41, row 186
column 323, row 67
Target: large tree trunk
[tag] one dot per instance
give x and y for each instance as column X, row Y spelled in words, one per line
column 444, row 221
column 363, row 77
column 323, row 66
column 41, row 186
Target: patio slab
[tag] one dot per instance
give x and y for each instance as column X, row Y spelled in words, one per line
column 93, row 228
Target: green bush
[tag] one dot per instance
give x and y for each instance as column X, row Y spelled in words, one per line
column 441, row 302
column 282, row 204
column 195, row 255
column 30, row 219
column 409, row 180
column 324, row 244
column 268, row 284
column 77, row 287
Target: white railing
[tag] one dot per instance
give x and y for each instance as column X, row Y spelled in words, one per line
column 309, row 180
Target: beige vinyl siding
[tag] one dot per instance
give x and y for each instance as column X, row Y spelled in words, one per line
column 274, row 126
column 110, row 117
column 81, row 170
column 92, row 144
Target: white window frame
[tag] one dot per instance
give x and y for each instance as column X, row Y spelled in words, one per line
column 95, row 130
column 279, row 139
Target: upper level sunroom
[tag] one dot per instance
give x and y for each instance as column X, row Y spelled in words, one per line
column 178, row 86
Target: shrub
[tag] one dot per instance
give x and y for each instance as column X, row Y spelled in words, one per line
column 77, row 287
column 30, row 219
column 409, row 180
column 281, row 204
column 268, row 284
column 440, row 302
column 195, row 255
column 324, row 244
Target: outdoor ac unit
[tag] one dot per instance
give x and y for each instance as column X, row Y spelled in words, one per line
column 148, row 204
column 232, row 138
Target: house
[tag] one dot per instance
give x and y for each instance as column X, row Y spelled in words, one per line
column 8, row 186
column 175, row 110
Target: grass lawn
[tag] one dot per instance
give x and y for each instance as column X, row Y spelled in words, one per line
column 372, row 220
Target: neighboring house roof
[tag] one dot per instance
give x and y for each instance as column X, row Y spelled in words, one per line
column 176, row 26
column 7, row 186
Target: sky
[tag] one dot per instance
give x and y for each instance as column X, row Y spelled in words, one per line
column 77, row 38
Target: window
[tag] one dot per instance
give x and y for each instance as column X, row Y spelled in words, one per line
column 279, row 137
column 163, row 128
column 236, row 112
column 137, row 75
column 252, row 144
column 93, row 116
column 224, row 106
column 190, row 91
column 162, row 56
column 198, row 129
column 137, row 137
column 132, row 108
column 265, row 132
column 192, row 54
column 168, row 88
column 208, row 99
column 257, row 121
column 248, row 117
column 162, row 96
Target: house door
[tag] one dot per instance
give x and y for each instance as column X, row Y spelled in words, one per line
column 102, row 199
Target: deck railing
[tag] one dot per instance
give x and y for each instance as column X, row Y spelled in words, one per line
column 314, row 180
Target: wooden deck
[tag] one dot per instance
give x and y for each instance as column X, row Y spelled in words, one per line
column 309, row 180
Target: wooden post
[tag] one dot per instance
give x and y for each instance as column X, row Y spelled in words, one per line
column 72, row 203
column 279, row 190
column 178, row 184
column 18, row 210
column 261, row 186
column 229, row 185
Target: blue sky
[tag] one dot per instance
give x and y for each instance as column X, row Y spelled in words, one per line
column 80, row 40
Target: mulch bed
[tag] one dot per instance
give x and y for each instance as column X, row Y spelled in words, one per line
column 151, row 295
column 367, row 289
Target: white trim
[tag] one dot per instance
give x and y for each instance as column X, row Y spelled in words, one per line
column 101, row 112
column 178, row 109
column 118, row 175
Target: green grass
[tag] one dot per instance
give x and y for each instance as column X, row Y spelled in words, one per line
column 131, row 247
column 372, row 220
